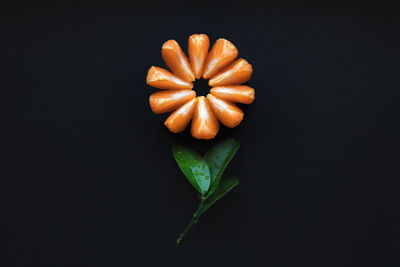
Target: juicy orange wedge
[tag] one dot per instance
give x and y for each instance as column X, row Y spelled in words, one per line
column 198, row 50
column 162, row 79
column 177, row 61
column 167, row 101
column 237, row 73
column 180, row 118
column 222, row 53
column 227, row 113
column 204, row 124
column 236, row 93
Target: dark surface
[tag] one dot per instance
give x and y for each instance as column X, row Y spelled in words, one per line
column 88, row 177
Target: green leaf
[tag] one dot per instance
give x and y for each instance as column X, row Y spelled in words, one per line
column 217, row 159
column 194, row 167
column 224, row 187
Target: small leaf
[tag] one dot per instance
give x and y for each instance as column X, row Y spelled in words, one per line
column 217, row 159
column 224, row 187
column 194, row 167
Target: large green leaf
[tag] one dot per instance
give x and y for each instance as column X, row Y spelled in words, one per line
column 224, row 187
column 194, row 167
column 217, row 159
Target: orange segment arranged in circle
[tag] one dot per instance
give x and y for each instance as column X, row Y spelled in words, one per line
column 162, row 79
column 236, row 93
column 169, row 100
column 204, row 124
column 237, row 73
column 227, row 113
column 181, row 117
column 225, row 73
column 177, row 61
column 222, row 54
column 198, row 46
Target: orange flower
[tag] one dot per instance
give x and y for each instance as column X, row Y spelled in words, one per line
column 225, row 74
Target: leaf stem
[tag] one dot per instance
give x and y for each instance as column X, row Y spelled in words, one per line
column 194, row 220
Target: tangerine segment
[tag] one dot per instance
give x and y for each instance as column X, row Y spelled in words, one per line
column 167, row 101
column 222, row 53
column 237, row 73
column 178, row 120
column 227, row 113
column 204, row 124
column 162, row 79
column 235, row 93
column 198, row 50
column 176, row 60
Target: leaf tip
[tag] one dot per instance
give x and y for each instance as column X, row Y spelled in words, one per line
column 234, row 142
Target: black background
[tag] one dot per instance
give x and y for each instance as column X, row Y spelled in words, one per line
column 88, row 177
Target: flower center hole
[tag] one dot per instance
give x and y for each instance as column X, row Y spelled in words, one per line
column 201, row 87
